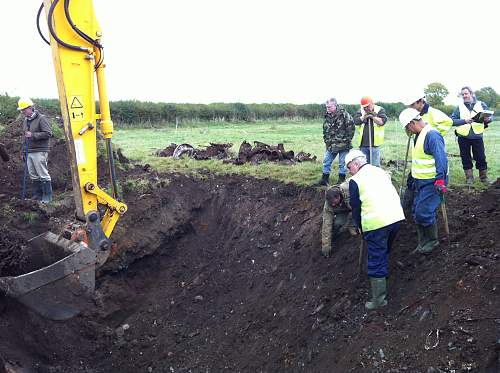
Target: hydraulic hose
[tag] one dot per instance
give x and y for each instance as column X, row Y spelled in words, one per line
column 38, row 25
column 54, row 35
column 111, row 166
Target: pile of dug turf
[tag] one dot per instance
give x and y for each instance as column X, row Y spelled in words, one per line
column 247, row 153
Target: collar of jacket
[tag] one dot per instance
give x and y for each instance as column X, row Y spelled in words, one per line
column 33, row 116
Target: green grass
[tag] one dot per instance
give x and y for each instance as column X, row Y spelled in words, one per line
column 141, row 144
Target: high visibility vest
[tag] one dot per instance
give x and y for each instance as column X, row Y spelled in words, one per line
column 438, row 120
column 464, row 129
column 378, row 131
column 380, row 204
column 423, row 165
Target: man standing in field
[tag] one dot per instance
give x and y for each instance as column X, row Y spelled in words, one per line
column 338, row 130
column 377, row 211
column 429, row 171
column 370, row 120
column 470, row 135
column 434, row 117
column 37, row 134
column 337, row 217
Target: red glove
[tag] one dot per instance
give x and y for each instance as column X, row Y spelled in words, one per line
column 439, row 186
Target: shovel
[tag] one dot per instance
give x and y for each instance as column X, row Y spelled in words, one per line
column 403, row 177
column 445, row 218
column 25, row 174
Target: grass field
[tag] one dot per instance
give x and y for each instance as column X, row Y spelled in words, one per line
column 142, row 143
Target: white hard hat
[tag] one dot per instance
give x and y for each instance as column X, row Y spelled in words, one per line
column 413, row 97
column 407, row 115
column 353, row 154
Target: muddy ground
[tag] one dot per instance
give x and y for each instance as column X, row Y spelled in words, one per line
column 224, row 274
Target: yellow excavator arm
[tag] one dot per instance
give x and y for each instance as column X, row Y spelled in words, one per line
column 75, row 39
column 60, row 278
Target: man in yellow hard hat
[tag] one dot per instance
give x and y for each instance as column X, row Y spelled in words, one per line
column 37, row 134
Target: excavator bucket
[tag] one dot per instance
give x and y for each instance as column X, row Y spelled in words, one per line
column 60, row 280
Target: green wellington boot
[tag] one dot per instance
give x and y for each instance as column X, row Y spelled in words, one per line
column 431, row 236
column 379, row 292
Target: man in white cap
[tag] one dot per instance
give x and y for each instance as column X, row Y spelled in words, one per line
column 377, row 211
column 434, row 117
column 429, row 171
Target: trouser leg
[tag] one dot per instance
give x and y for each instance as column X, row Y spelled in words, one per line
column 479, row 154
column 465, row 152
column 426, row 203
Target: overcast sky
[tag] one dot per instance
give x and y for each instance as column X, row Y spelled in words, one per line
column 203, row 51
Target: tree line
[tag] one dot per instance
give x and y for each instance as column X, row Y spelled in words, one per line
column 137, row 113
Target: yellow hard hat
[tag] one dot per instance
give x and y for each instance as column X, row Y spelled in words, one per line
column 24, row 102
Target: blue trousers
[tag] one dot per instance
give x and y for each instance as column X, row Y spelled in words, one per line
column 426, row 202
column 379, row 242
column 330, row 157
column 375, row 154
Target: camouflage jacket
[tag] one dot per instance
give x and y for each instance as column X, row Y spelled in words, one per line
column 338, row 130
column 338, row 217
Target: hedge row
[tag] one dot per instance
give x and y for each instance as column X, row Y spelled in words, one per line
column 135, row 112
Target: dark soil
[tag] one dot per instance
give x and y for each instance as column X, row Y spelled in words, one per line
column 224, row 274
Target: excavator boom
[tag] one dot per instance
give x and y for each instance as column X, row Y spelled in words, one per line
column 64, row 275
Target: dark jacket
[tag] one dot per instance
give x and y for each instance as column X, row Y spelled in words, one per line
column 41, row 132
column 338, row 130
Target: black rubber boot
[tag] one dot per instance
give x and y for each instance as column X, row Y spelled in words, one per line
column 47, row 191
column 341, row 178
column 37, row 190
column 324, row 180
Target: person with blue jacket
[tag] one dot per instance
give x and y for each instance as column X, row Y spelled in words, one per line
column 429, row 171
column 470, row 134
column 377, row 211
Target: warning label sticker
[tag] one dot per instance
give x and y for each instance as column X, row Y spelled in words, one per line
column 76, row 108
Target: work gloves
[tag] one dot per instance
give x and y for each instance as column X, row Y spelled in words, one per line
column 439, row 186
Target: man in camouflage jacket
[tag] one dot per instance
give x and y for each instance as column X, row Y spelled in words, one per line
column 338, row 130
column 337, row 216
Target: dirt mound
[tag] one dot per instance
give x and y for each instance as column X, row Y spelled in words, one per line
column 226, row 275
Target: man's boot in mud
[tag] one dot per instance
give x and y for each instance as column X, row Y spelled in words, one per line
column 341, row 178
column 37, row 190
column 469, row 177
column 324, row 180
column 47, row 191
column 421, row 239
column 379, row 292
column 483, row 176
column 431, row 239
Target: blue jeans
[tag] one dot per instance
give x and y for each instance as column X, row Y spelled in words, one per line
column 379, row 242
column 375, row 153
column 330, row 157
column 426, row 202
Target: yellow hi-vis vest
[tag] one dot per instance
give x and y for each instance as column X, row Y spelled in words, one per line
column 438, row 120
column 380, row 204
column 465, row 113
column 378, row 131
column 423, row 165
